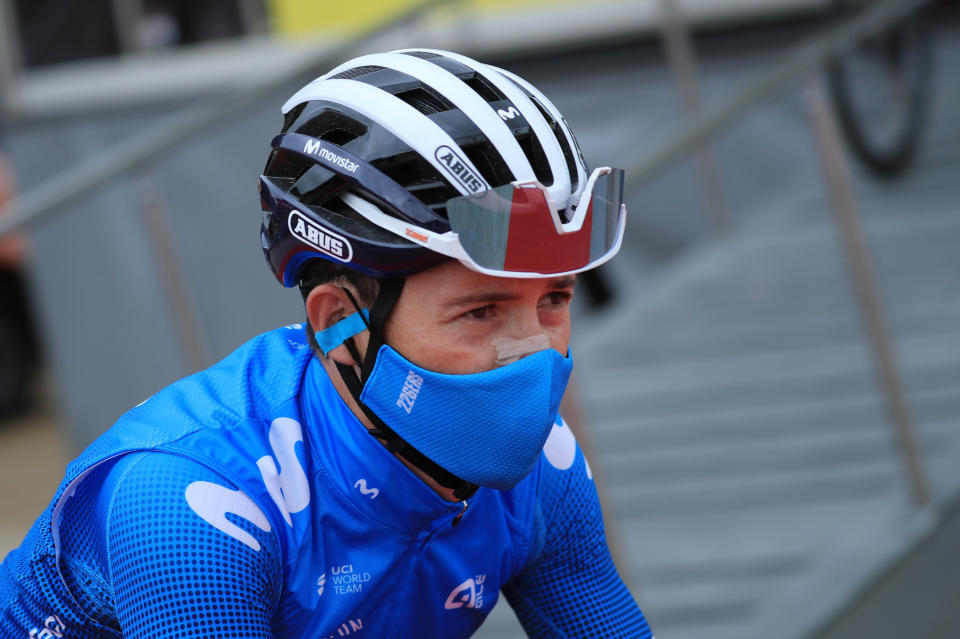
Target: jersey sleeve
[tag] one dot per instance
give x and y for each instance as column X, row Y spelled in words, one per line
column 189, row 554
column 571, row 588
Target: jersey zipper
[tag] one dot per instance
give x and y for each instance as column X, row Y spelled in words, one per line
column 418, row 562
column 456, row 520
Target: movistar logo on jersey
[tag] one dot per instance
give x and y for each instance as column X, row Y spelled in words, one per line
column 314, row 147
column 324, row 240
column 457, row 168
column 289, row 489
column 361, row 485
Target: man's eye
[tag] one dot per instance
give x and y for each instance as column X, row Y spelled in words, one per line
column 557, row 298
column 482, row 312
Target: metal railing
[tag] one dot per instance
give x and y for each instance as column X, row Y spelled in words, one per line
column 687, row 137
column 799, row 63
column 168, row 133
column 799, row 66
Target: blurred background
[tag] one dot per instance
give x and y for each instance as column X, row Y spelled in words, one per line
column 767, row 375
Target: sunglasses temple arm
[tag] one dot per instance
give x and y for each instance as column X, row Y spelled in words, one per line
column 580, row 213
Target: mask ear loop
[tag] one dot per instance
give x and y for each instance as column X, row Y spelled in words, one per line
column 390, row 290
column 349, row 342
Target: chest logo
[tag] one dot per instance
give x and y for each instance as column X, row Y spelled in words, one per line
column 348, row 580
column 361, row 485
column 469, row 594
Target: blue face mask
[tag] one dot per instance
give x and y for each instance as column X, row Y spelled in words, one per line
column 487, row 428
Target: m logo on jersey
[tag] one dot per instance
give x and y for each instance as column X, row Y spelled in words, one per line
column 287, row 486
column 361, row 484
column 469, row 594
column 322, row 239
column 457, row 168
column 213, row 502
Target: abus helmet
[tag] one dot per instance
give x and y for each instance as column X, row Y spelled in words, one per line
column 391, row 163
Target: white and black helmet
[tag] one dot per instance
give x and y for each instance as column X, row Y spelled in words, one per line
column 393, row 162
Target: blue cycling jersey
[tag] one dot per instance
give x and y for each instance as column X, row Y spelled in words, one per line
column 248, row 501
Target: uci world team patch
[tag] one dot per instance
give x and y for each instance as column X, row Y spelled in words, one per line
column 314, row 235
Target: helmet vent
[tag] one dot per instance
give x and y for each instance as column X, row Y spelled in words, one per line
column 355, row 72
column 426, row 55
column 418, row 176
column 489, row 162
column 486, row 90
column 332, row 126
column 424, row 101
column 340, row 137
column 535, row 154
column 568, row 155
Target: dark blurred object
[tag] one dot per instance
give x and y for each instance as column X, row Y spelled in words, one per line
column 53, row 31
column 881, row 90
column 200, row 20
column 599, row 291
column 18, row 343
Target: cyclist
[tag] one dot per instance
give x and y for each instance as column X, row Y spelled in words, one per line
column 388, row 467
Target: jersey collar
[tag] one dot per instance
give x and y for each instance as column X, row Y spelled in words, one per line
column 360, row 469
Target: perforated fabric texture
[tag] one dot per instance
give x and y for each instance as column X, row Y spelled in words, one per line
column 174, row 574
column 83, row 560
column 572, row 589
column 28, row 584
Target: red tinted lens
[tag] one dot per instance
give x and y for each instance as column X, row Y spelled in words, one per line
column 533, row 244
column 513, row 229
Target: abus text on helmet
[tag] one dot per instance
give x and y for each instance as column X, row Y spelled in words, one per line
column 458, row 169
column 318, row 237
column 314, row 147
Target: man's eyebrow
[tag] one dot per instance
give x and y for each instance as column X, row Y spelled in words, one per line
column 485, row 297
column 567, row 281
column 482, row 297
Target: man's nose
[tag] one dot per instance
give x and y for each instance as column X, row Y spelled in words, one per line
column 524, row 336
column 524, row 324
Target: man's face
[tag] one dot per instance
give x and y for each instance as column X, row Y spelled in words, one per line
column 448, row 316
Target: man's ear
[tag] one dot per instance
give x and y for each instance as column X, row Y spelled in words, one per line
column 326, row 305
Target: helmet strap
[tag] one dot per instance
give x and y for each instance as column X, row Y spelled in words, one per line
column 390, row 290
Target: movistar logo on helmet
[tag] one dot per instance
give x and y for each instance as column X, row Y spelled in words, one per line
column 314, row 147
column 457, row 168
column 325, row 241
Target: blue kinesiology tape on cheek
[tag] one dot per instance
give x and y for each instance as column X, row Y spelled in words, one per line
column 329, row 338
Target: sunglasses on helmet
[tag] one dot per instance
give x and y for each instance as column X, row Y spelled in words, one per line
column 512, row 230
